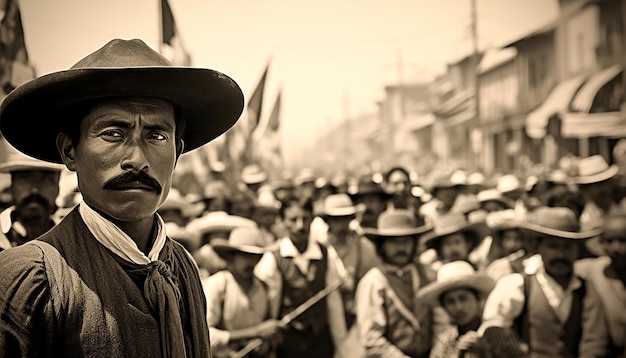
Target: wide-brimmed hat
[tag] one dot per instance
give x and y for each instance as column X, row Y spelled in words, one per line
column 452, row 223
column 243, row 239
column 494, row 195
column 33, row 114
column 594, row 169
column 253, row 174
column 175, row 201
column 16, row 161
column 218, row 222
column 453, row 275
column 556, row 222
column 395, row 223
column 339, row 205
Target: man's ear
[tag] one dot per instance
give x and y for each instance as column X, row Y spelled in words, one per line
column 66, row 149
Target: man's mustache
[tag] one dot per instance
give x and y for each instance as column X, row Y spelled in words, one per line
column 128, row 178
column 34, row 198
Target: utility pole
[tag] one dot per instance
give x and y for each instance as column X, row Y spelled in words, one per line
column 475, row 63
column 347, row 129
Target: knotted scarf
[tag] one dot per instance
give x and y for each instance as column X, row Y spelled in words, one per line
column 160, row 288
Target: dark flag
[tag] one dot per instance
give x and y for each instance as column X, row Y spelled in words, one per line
column 172, row 45
column 14, row 66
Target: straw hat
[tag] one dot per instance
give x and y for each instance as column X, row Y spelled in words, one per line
column 243, row 239
column 33, row 114
column 186, row 237
column 396, row 223
column 556, row 222
column 452, row 223
column 218, row 222
column 253, row 174
column 594, row 169
column 339, row 205
column 453, row 275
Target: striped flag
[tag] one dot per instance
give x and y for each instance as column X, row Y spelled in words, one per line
column 172, row 46
column 14, row 66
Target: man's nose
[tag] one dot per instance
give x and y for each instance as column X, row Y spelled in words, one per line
column 136, row 157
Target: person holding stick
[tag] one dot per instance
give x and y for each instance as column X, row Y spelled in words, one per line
column 295, row 269
column 237, row 301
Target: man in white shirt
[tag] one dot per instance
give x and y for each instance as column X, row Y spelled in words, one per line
column 554, row 311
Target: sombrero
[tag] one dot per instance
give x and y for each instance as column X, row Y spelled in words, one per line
column 594, row 169
column 242, row 239
column 452, row 223
column 218, row 222
column 339, row 205
column 556, row 222
column 33, row 114
column 396, row 223
column 453, row 275
column 253, row 174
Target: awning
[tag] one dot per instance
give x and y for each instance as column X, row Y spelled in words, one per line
column 557, row 102
column 584, row 98
column 417, row 121
column 586, row 125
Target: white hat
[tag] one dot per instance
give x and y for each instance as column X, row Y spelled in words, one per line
column 253, row 174
column 508, row 183
column 453, row 275
column 594, row 169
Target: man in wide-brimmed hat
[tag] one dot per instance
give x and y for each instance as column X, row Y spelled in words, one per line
column 461, row 291
column 34, row 189
column 357, row 253
column 454, row 237
column 120, row 118
column 596, row 180
column 557, row 313
column 237, row 301
column 390, row 322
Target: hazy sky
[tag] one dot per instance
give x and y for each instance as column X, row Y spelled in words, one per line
column 332, row 59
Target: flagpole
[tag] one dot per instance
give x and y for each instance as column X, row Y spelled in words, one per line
column 160, row 29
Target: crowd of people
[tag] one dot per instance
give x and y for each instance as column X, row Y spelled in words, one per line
column 382, row 265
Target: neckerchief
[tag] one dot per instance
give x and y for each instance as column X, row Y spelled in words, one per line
column 160, row 289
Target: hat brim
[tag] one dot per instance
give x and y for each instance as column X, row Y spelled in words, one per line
column 595, row 178
column 532, row 230
column 376, row 234
column 16, row 166
column 225, row 249
column 479, row 228
column 33, row 114
column 342, row 212
column 481, row 283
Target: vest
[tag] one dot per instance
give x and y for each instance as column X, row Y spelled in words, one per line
column 540, row 327
column 297, row 288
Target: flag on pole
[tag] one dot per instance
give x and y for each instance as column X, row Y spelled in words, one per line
column 172, row 46
column 14, row 66
column 273, row 123
column 269, row 145
column 255, row 104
